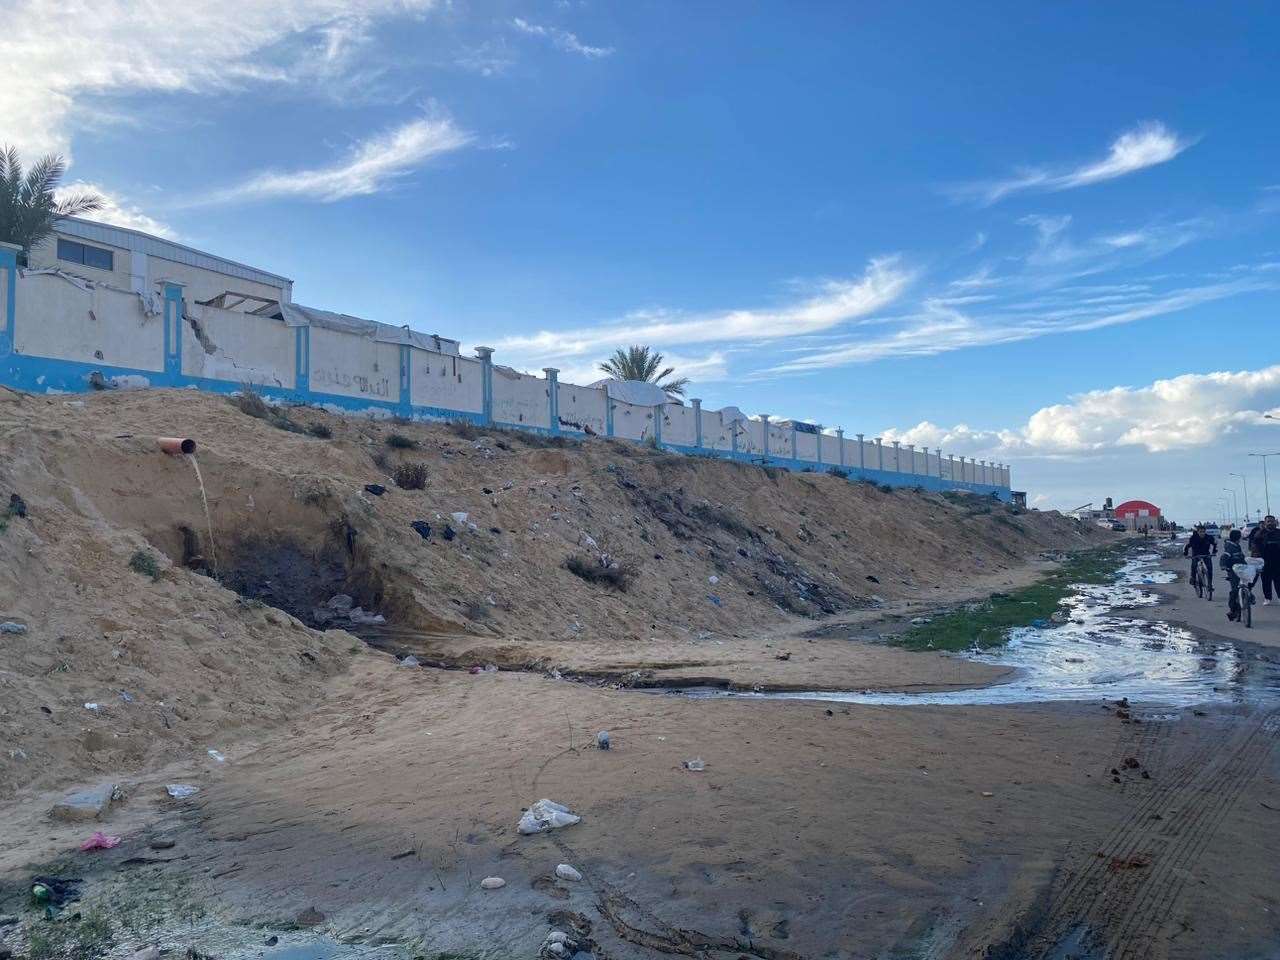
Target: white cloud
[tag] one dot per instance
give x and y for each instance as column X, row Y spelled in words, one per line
column 562, row 39
column 373, row 166
column 838, row 301
column 115, row 210
column 1146, row 145
column 1172, row 441
column 60, row 54
column 1195, row 410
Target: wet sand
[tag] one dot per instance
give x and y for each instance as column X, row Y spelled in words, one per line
column 816, row 830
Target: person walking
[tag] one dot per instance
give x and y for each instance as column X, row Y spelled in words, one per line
column 1269, row 551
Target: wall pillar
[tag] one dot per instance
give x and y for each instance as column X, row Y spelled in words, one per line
column 840, row 443
column 8, row 294
column 486, row 382
column 172, row 331
column 794, row 456
column 302, row 359
column 862, row 454
column 697, row 423
column 938, row 451
column 733, row 433
column 819, row 444
column 879, row 454
column 657, row 424
column 911, row 449
column 764, row 419
column 553, row 397
column 406, row 385
column 897, row 456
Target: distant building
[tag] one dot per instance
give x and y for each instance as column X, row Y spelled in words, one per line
column 1139, row 515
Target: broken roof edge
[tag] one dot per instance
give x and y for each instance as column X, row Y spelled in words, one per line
column 299, row 315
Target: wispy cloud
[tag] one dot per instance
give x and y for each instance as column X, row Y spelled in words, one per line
column 116, row 210
column 373, row 166
column 562, row 39
column 60, row 55
column 1146, row 145
column 940, row 327
column 836, row 302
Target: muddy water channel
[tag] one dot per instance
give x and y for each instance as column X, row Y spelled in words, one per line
column 1098, row 653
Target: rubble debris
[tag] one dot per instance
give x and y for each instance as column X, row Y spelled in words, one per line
column 565, row 872
column 602, row 740
column 376, row 489
column 181, row 791
column 87, row 804
column 12, row 626
column 492, row 883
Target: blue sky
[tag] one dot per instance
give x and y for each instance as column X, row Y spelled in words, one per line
column 1044, row 236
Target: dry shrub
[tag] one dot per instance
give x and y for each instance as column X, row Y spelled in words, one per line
column 411, row 475
column 603, row 570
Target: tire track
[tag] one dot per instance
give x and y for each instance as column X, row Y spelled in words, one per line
column 1066, row 910
column 1121, row 907
column 1188, row 837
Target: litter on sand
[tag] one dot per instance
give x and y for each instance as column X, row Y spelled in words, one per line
column 180, row 791
column 602, row 740
column 218, row 756
column 546, row 815
column 410, row 661
column 99, row 841
column 566, row 872
column 697, row 764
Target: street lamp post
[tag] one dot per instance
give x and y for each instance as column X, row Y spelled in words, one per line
column 1235, row 510
column 1266, row 486
column 1246, row 494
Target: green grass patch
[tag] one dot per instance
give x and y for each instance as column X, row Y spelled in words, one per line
column 988, row 623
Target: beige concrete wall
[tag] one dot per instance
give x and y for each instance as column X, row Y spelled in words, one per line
column 58, row 319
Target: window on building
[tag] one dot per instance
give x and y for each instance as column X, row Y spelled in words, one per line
column 73, row 252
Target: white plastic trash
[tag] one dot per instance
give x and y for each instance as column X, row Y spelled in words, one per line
column 459, row 517
column 696, row 764
column 546, row 815
column 180, row 791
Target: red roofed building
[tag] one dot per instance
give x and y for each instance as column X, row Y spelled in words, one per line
column 1138, row 514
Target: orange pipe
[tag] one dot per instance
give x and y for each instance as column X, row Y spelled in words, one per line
column 176, row 445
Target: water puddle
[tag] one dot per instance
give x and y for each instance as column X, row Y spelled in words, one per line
column 1094, row 655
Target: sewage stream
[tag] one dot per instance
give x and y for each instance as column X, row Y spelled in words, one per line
column 1094, row 655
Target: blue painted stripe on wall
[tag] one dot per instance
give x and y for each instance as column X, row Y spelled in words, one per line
column 45, row 375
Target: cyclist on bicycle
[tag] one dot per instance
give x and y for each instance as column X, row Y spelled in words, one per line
column 1199, row 545
column 1232, row 553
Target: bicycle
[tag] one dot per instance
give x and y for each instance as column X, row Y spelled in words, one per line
column 1247, row 574
column 1200, row 575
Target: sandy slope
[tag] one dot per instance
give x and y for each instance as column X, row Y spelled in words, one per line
column 179, row 665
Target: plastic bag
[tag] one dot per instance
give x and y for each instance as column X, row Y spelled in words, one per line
column 546, row 815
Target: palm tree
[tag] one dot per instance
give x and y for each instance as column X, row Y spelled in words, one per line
column 28, row 207
column 642, row 363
